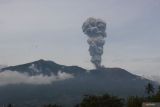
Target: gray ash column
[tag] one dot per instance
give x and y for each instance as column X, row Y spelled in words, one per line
column 95, row 30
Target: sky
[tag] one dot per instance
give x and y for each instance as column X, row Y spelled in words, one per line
column 52, row 30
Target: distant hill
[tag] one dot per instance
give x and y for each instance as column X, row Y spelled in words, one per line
column 2, row 66
column 68, row 92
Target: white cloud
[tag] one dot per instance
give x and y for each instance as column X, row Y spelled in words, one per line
column 154, row 78
column 34, row 68
column 2, row 66
column 14, row 77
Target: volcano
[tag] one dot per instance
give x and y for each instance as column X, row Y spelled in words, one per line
column 115, row 81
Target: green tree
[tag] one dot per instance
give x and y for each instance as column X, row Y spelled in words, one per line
column 10, row 105
column 155, row 97
column 158, row 89
column 134, row 101
column 149, row 89
column 52, row 105
column 101, row 101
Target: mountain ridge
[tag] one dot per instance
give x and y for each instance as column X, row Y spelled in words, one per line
column 46, row 67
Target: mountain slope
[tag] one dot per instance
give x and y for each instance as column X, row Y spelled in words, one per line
column 68, row 92
column 44, row 67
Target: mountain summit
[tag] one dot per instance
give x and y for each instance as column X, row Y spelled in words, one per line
column 44, row 67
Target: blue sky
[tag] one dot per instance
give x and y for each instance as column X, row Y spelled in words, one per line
column 51, row 29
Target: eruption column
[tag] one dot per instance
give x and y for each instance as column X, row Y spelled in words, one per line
column 95, row 30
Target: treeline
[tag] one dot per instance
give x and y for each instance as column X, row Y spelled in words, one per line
column 107, row 100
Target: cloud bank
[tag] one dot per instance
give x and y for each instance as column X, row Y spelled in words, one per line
column 2, row 66
column 14, row 77
column 154, row 78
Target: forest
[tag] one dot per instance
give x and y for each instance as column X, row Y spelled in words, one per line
column 107, row 100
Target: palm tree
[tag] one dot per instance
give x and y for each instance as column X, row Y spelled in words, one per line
column 149, row 89
column 158, row 89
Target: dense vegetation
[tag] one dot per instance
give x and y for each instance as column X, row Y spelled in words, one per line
column 101, row 101
column 107, row 100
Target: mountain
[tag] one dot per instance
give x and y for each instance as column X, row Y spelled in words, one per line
column 44, row 67
column 2, row 66
column 70, row 91
column 154, row 78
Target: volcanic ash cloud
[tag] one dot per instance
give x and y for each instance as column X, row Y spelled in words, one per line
column 95, row 30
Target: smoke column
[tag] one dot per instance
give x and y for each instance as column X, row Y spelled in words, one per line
column 95, row 30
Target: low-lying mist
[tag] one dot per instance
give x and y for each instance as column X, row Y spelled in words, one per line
column 14, row 77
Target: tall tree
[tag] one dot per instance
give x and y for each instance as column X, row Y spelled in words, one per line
column 158, row 89
column 149, row 89
column 9, row 105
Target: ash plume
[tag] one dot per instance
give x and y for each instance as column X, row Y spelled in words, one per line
column 95, row 30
